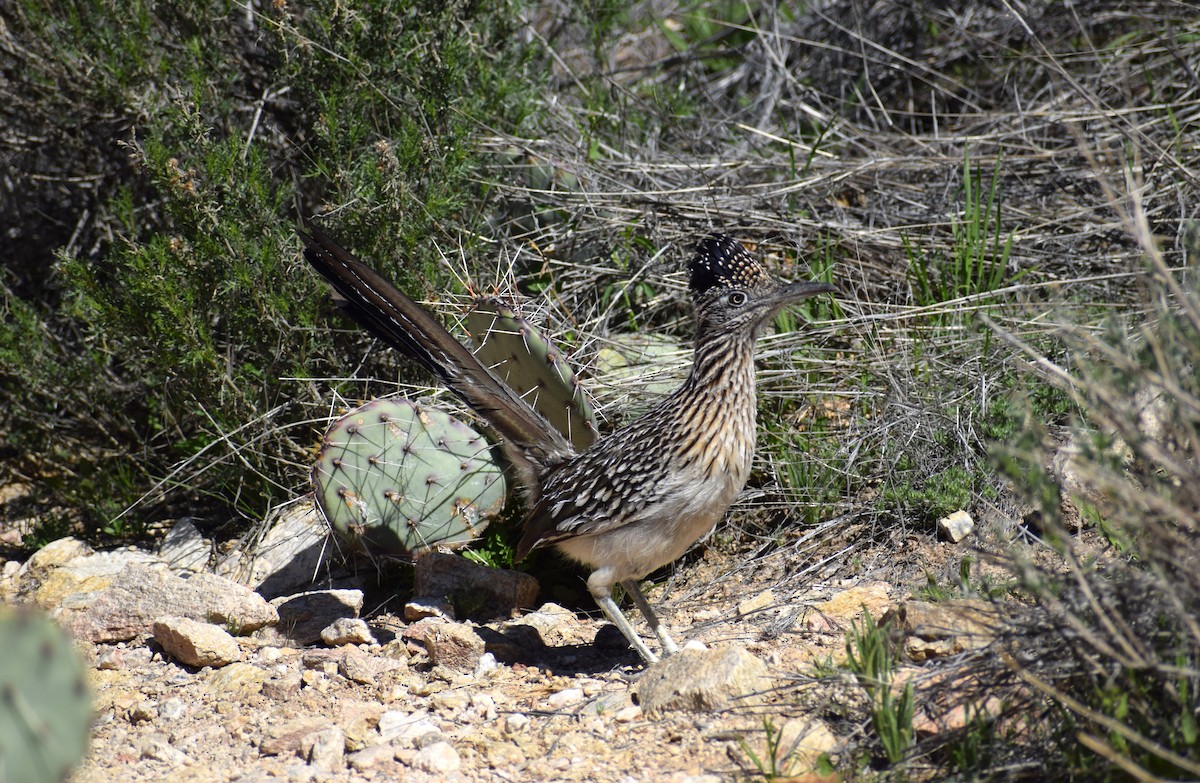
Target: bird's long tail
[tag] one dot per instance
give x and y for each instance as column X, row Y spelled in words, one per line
column 528, row 440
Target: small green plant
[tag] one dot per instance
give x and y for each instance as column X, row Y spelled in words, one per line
column 772, row 765
column 870, row 657
column 978, row 258
column 965, row 586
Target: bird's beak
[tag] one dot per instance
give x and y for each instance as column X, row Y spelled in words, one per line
column 794, row 292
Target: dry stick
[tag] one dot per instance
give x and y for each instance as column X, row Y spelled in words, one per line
column 1112, row 724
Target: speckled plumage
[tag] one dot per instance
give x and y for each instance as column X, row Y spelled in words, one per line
column 639, row 497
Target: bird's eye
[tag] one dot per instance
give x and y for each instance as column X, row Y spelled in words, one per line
column 736, row 298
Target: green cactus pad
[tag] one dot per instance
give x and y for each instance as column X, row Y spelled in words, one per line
column 526, row 360
column 394, row 477
column 45, row 703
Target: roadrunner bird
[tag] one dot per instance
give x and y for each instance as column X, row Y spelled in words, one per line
column 639, row 497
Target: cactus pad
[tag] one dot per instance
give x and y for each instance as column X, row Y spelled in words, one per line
column 396, row 477
column 45, row 703
column 526, row 360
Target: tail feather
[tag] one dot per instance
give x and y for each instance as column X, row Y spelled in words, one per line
column 531, row 444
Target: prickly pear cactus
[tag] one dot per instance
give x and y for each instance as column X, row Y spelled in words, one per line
column 396, row 477
column 45, row 703
column 526, row 360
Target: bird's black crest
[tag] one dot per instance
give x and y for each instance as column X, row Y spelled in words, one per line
column 722, row 262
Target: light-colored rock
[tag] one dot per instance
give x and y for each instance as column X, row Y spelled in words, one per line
column 455, row 646
column 755, row 603
column 551, row 621
column 141, row 594
column 628, row 714
column 515, row 723
column 800, row 745
column 956, row 527
column 428, row 606
column 837, row 614
column 158, row 747
column 237, row 681
column 325, row 749
column 405, row 728
column 303, row 616
column 438, row 758
column 557, row 701
column 703, row 681
column 347, row 630
column 195, row 643
column 933, row 630
column 369, row 757
column 76, row 582
column 55, row 554
column 486, row 665
column 290, row 554
column 184, row 549
column 487, row 593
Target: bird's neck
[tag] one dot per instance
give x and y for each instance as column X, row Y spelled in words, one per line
column 723, row 365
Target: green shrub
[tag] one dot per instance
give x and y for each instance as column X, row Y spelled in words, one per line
column 180, row 345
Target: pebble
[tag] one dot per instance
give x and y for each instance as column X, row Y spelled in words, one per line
column 440, row 757
column 171, row 709
column 515, row 723
column 347, row 630
column 371, row 756
column 564, row 697
column 325, row 749
column 405, row 727
column 486, row 665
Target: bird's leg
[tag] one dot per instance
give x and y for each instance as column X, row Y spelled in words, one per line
column 668, row 644
column 603, row 595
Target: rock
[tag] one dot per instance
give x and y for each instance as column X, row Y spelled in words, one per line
column 562, row 698
column 194, row 643
column 703, row 681
column 55, row 554
column 364, row 669
column 184, row 549
column 158, row 747
column 486, row 665
column 476, row 591
column 628, row 714
column 800, row 745
column 405, row 728
column 290, row 552
column 438, row 758
column 552, row 622
column 347, row 630
column 325, row 749
column 955, row 527
column 76, row 582
column 455, row 646
column 289, row 738
column 760, row 601
column 933, row 630
column 368, row 757
column 836, row 614
column 515, row 723
column 303, row 616
column 237, row 681
column 422, row 607
column 171, row 709
column 141, row 594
